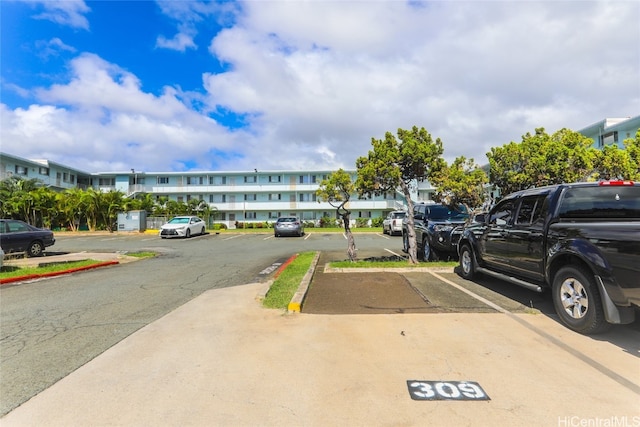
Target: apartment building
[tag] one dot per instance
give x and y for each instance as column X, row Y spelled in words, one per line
column 245, row 196
column 255, row 196
column 612, row 131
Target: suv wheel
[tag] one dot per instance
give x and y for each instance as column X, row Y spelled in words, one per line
column 427, row 253
column 405, row 243
column 577, row 301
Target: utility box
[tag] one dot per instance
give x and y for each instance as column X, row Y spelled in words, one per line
column 132, row 221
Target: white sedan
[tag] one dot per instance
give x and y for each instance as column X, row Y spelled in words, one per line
column 183, row 226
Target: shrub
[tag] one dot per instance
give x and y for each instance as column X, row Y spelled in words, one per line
column 362, row 222
column 377, row 222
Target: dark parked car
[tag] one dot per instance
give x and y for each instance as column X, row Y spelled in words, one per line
column 18, row 236
column 288, row 225
column 580, row 240
column 434, row 224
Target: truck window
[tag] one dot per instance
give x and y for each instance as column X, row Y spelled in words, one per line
column 530, row 210
column 501, row 214
column 598, row 202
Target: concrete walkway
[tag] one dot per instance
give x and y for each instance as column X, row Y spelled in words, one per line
column 223, row 360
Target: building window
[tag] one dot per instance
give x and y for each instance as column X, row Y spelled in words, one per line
column 44, row 171
column 275, row 178
column 162, row 180
column 21, row 170
column 274, row 215
column 307, row 197
column 274, row 196
column 250, row 197
column 364, row 214
column 195, row 180
column 224, row 198
column 250, row 215
column 180, row 199
column 210, row 198
column 250, row 179
column 303, row 179
column 609, row 138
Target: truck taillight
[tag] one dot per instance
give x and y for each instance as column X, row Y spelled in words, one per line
column 616, row 183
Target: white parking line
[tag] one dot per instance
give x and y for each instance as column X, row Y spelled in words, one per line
column 382, row 235
column 552, row 339
column 270, row 237
column 472, row 294
column 233, row 237
column 307, row 235
column 391, row 252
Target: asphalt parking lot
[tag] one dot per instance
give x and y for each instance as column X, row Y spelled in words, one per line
column 399, row 339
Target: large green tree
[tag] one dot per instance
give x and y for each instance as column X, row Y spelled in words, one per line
column 399, row 162
column 541, row 159
column 337, row 189
column 614, row 163
column 462, row 182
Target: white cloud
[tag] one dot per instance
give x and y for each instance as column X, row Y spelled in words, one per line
column 333, row 75
column 105, row 121
column 68, row 12
column 317, row 80
column 180, row 42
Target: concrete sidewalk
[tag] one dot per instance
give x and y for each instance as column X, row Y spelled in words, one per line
column 223, row 360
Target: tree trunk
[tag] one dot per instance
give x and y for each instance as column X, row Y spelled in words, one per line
column 351, row 244
column 411, row 231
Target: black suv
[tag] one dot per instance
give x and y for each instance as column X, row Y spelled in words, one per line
column 435, row 226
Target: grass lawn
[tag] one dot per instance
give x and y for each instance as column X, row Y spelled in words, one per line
column 286, row 284
column 10, row 271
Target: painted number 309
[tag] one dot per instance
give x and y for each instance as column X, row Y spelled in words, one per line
column 450, row 390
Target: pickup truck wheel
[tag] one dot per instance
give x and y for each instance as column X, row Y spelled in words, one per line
column 577, row 301
column 466, row 262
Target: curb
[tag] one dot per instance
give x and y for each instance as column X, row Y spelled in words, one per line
column 55, row 273
column 298, row 298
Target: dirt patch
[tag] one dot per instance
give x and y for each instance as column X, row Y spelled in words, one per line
column 362, row 293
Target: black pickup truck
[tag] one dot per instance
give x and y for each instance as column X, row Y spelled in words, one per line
column 580, row 240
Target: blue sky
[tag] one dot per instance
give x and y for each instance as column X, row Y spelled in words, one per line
column 272, row 85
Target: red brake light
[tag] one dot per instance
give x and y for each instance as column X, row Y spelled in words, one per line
column 616, row 183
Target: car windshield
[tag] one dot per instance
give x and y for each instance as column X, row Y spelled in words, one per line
column 441, row 212
column 179, row 220
column 398, row 215
column 286, row 220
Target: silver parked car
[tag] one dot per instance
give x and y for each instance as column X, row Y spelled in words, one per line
column 291, row 225
column 183, row 226
column 392, row 224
